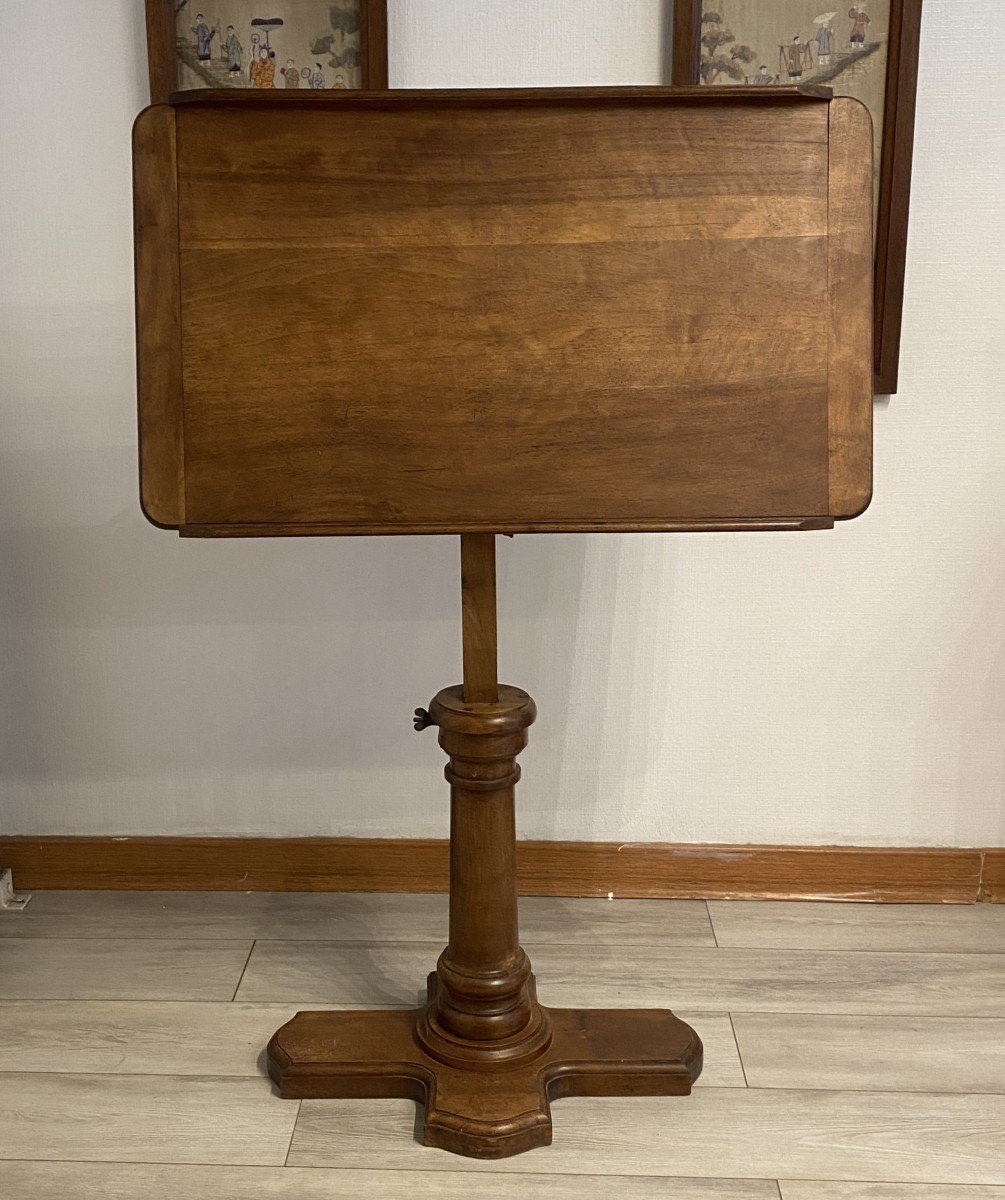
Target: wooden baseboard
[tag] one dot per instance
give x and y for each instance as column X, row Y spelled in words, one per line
column 993, row 876
column 641, row 870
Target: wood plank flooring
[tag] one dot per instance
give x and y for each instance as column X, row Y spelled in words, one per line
column 853, row 1052
column 962, row 985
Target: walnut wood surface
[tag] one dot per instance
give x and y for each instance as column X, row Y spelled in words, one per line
column 158, row 318
column 895, row 187
column 993, row 875
column 592, row 1052
column 524, row 311
column 478, row 624
column 373, row 39
column 162, row 49
column 850, row 274
column 482, row 1055
column 925, row 874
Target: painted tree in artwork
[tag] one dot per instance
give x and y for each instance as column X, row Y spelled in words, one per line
column 716, row 60
column 342, row 44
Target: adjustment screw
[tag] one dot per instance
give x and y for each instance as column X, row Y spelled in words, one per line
column 422, row 719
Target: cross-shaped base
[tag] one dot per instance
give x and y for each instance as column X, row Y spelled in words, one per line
column 485, row 1113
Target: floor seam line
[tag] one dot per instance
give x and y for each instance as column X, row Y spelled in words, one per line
column 243, row 969
column 293, row 1133
column 711, row 925
column 736, row 1043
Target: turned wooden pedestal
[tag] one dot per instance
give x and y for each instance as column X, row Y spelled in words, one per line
column 483, row 1056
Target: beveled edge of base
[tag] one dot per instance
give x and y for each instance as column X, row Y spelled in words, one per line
column 471, row 1138
column 560, row 1074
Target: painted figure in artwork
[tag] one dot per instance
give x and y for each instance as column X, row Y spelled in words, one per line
column 859, row 20
column 203, row 39
column 317, row 80
column 339, row 84
column 795, row 58
column 290, row 74
column 825, row 41
column 763, row 78
column 263, row 69
column 233, row 51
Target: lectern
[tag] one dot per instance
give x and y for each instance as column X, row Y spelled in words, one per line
column 478, row 313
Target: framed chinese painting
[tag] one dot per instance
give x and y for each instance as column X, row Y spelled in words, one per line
column 867, row 49
column 314, row 44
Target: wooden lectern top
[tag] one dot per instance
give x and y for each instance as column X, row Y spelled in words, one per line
column 433, row 312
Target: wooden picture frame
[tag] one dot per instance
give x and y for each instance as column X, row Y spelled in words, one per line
column 894, row 166
column 162, row 47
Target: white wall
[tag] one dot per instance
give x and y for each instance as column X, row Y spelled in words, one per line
column 831, row 687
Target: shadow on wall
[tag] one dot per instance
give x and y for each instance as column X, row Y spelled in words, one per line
column 594, row 667
column 133, row 653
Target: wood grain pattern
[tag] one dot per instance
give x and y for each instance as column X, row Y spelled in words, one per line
column 471, row 524
column 739, row 1132
column 344, row 917
column 855, row 873
column 895, row 187
column 528, row 98
column 195, row 1038
column 685, row 977
column 158, row 317
column 820, row 1123
column 808, row 1189
column 124, row 1118
column 686, row 42
column 849, row 265
column 541, row 278
column 479, row 635
column 993, row 876
column 872, row 1053
column 162, row 60
column 137, row 1037
column 95, row 968
column 481, row 1056
column 641, row 870
column 808, row 926
column 373, row 41
column 120, row 1181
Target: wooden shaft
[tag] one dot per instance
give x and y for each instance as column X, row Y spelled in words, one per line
column 483, row 891
column 483, row 1007
column 483, row 971
column 478, row 617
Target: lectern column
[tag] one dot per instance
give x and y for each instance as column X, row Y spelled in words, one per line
column 482, row 1004
column 482, row 1007
column 483, row 1056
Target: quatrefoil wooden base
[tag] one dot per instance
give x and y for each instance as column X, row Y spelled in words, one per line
column 479, row 1113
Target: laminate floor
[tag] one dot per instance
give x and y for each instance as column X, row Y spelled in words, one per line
column 852, row 1052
